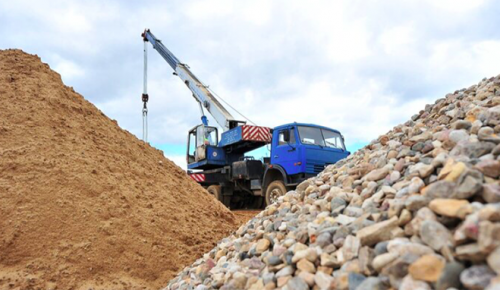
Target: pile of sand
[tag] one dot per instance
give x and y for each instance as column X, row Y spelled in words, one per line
column 83, row 203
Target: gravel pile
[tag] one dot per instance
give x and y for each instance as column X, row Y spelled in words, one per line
column 419, row 208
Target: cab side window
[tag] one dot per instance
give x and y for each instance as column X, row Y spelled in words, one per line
column 281, row 138
column 291, row 136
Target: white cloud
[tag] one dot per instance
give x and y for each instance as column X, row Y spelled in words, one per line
column 359, row 66
column 397, row 40
column 68, row 69
column 456, row 6
column 180, row 160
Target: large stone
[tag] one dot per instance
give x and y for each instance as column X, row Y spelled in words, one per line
column 470, row 252
column 468, row 188
column 449, row 207
column 378, row 232
column 377, row 174
column 440, row 189
column 423, row 170
column 383, row 260
column 361, row 170
column 306, row 266
column 373, row 283
column 402, row 247
column 458, row 135
column 427, row 268
column 310, row 254
column 476, row 277
column 489, row 236
column 350, row 248
column 451, row 171
column 336, row 203
column 366, row 255
column 491, row 192
column 415, row 185
column 434, row 234
column 296, row 283
column 490, row 212
column 416, row 202
column 262, row 245
column 324, row 281
column 355, row 280
column 489, row 168
column 328, row 260
column 450, row 276
column 287, row 271
column 307, row 277
column 409, row 283
column 494, row 260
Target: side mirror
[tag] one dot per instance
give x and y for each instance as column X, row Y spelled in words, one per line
column 286, row 135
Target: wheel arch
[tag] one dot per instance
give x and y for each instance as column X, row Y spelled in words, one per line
column 274, row 173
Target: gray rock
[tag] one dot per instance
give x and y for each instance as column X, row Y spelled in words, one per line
column 373, row 283
column 355, row 280
column 491, row 193
column 288, row 270
column 458, row 135
column 476, row 277
column 378, row 232
column 274, row 260
column 268, row 278
column 468, row 188
column 381, row 248
column 440, row 189
column 416, row 202
column 450, row 276
column 324, row 239
column 296, row 283
column 336, row 203
column 472, row 150
column 353, row 211
column 434, row 234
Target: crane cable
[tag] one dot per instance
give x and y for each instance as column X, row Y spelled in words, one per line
column 145, row 96
column 229, row 105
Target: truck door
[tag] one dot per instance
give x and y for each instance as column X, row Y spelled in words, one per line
column 284, row 151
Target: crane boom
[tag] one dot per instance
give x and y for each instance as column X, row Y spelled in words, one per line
column 199, row 90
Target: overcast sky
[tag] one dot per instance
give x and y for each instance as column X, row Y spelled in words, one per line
column 361, row 67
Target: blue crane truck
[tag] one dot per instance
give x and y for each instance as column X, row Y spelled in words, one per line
column 297, row 150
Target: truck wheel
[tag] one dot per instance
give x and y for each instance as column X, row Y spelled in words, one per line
column 257, row 202
column 274, row 190
column 215, row 190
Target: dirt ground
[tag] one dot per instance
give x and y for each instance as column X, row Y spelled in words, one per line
column 85, row 204
column 243, row 216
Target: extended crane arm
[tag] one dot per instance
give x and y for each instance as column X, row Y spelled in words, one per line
column 200, row 91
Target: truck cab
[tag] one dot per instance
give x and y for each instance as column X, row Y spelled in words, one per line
column 300, row 151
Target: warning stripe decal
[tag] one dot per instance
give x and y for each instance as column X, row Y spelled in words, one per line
column 198, row 177
column 256, row 133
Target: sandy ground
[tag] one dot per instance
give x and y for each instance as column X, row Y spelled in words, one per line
column 85, row 204
column 243, row 216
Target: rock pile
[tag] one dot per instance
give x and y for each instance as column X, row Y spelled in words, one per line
column 419, row 208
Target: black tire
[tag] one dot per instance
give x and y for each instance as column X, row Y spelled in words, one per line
column 274, row 190
column 216, row 191
column 257, row 202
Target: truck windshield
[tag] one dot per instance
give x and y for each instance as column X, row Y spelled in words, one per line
column 320, row 137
